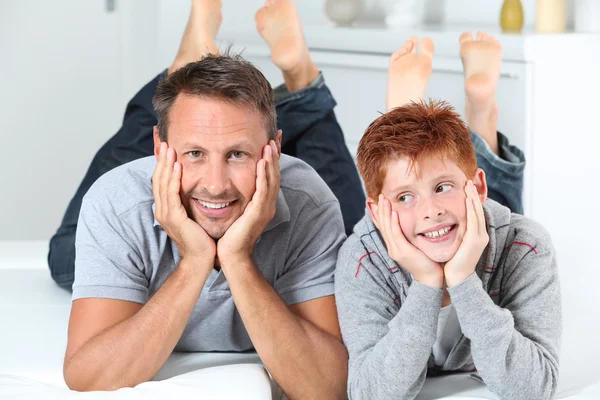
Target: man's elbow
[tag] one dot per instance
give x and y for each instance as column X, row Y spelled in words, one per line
column 79, row 380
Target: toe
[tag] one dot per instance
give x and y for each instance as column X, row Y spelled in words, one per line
column 413, row 44
column 399, row 53
column 427, row 47
column 480, row 35
column 465, row 37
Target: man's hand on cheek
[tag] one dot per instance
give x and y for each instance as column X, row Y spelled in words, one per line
column 473, row 244
column 238, row 242
column 422, row 268
column 191, row 239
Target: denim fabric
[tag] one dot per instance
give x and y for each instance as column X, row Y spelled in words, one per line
column 310, row 132
column 504, row 172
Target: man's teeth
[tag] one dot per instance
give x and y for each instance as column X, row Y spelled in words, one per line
column 214, row 205
column 439, row 233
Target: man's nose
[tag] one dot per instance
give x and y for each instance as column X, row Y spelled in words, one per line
column 215, row 178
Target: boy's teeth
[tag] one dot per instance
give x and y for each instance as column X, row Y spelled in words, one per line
column 438, row 233
column 213, row 205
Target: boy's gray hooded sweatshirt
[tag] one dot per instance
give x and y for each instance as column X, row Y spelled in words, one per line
column 509, row 312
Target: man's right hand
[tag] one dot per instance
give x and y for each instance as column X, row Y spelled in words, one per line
column 422, row 268
column 191, row 239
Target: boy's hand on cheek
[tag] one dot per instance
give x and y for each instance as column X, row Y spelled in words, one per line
column 476, row 238
column 424, row 269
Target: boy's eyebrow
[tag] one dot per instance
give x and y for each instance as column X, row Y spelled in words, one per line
column 400, row 188
column 444, row 177
column 437, row 179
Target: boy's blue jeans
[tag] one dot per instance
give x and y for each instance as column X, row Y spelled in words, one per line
column 310, row 132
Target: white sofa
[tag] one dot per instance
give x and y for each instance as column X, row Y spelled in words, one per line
column 34, row 314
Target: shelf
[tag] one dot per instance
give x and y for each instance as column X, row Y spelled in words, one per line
column 525, row 47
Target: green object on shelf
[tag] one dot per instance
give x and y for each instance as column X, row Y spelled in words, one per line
column 511, row 16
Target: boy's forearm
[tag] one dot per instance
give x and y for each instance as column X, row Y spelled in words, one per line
column 502, row 355
column 396, row 366
column 305, row 361
column 133, row 351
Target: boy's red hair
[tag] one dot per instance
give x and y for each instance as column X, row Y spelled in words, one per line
column 416, row 131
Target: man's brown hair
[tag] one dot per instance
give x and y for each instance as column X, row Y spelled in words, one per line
column 227, row 77
column 416, row 131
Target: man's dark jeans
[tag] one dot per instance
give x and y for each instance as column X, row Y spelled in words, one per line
column 310, row 132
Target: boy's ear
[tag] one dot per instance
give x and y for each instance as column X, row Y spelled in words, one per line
column 481, row 184
column 372, row 207
column 156, row 138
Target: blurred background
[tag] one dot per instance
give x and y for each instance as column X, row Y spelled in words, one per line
column 68, row 68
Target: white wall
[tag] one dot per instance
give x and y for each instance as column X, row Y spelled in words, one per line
column 61, row 98
column 68, row 68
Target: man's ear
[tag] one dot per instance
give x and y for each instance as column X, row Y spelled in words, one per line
column 278, row 138
column 481, row 184
column 156, row 137
column 372, row 207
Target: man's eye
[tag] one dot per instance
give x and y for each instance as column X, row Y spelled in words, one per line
column 443, row 188
column 236, row 155
column 195, row 153
column 405, row 198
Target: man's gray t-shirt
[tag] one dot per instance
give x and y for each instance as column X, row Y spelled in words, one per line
column 123, row 253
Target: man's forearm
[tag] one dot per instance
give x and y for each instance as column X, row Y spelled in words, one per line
column 132, row 351
column 304, row 360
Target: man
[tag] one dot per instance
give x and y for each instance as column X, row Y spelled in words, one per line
column 304, row 107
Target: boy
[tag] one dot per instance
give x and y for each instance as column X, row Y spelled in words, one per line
column 437, row 279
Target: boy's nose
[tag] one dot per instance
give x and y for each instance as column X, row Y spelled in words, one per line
column 432, row 209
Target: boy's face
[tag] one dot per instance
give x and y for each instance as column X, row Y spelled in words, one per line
column 430, row 202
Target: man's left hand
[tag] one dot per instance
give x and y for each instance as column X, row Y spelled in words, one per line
column 238, row 242
column 476, row 238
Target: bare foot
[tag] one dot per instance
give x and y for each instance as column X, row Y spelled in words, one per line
column 409, row 72
column 481, row 58
column 279, row 25
column 200, row 33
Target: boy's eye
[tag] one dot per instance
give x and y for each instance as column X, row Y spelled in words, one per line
column 443, row 188
column 404, row 198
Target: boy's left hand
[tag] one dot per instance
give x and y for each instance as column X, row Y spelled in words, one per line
column 474, row 242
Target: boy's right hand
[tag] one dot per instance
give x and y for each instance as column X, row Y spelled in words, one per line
column 422, row 268
column 191, row 239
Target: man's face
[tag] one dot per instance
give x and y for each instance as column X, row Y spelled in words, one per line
column 430, row 202
column 218, row 145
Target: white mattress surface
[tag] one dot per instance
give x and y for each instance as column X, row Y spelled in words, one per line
column 34, row 312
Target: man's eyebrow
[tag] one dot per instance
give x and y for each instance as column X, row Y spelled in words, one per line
column 193, row 146
column 241, row 145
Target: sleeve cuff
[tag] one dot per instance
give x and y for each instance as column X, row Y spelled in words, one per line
column 421, row 307
column 282, row 94
column 109, row 292
column 308, row 293
column 469, row 295
column 511, row 159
